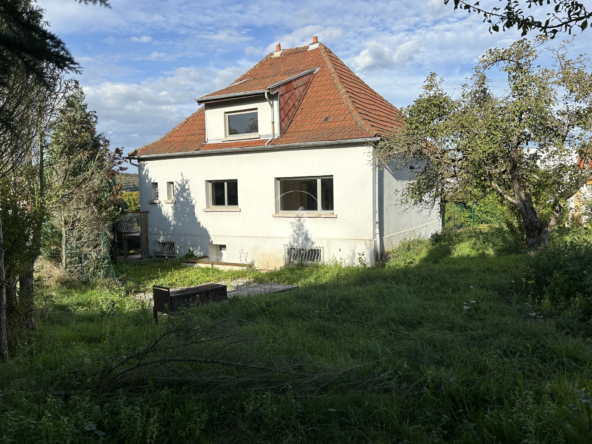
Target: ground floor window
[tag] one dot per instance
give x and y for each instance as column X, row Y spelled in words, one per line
column 223, row 193
column 305, row 194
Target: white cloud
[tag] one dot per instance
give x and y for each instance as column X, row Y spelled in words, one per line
column 252, row 50
column 142, row 39
column 226, row 36
column 135, row 114
column 159, row 57
column 378, row 56
column 303, row 36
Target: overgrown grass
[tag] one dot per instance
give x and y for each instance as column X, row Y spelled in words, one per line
column 436, row 345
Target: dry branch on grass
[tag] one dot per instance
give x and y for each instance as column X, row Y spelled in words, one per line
column 214, row 357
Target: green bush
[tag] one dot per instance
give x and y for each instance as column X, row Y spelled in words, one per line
column 559, row 279
column 482, row 241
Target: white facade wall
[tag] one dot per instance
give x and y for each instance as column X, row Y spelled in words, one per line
column 253, row 233
column 216, row 121
column 399, row 221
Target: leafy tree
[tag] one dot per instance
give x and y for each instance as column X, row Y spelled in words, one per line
column 81, row 175
column 31, row 63
column 132, row 200
column 565, row 15
column 531, row 146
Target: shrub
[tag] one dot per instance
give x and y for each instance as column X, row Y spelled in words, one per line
column 484, row 240
column 559, row 278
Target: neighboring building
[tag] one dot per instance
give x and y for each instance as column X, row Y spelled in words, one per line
column 277, row 167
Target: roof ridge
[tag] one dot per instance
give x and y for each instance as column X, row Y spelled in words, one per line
column 342, row 90
column 253, row 67
column 364, row 84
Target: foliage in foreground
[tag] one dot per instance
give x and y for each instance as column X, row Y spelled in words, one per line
column 559, row 283
column 530, row 146
column 430, row 347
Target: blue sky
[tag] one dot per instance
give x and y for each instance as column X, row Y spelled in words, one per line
column 146, row 61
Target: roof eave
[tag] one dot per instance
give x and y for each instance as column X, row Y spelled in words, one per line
column 286, row 146
column 205, row 99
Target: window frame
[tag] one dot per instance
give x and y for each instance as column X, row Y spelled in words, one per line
column 228, row 136
column 170, row 192
column 319, row 197
column 154, row 192
column 210, row 196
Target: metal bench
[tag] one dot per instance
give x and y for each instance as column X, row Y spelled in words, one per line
column 166, row 299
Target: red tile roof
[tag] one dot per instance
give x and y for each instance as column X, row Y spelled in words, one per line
column 337, row 105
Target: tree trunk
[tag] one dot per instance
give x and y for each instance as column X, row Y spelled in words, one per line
column 528, row 213
column 3, row 329
column 64, row 240
column 10, row 291
column 27, row 295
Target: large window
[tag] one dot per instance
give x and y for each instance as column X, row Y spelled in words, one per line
column 242, row 123
column 223, row 193
column 306, row 194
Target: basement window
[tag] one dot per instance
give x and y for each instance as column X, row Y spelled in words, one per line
column 242, row 124
column 222, row 195
column 310, row 194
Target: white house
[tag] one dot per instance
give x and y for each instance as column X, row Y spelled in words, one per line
column 278, row 167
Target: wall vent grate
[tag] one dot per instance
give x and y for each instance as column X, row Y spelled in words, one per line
column 298, row 255
column 164, row 248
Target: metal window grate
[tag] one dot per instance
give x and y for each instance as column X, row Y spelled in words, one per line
column 297, row 255
column 164, row 248
column 129, row 224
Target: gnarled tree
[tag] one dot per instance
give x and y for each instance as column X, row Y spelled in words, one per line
column 531, row 146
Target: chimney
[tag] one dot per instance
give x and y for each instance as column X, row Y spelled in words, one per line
column 314, row 44
column 278, row 50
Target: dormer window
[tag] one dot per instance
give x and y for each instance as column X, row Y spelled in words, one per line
column 242, row 124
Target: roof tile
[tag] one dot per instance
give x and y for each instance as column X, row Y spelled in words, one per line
column 354, row 109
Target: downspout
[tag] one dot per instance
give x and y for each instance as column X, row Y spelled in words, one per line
column 131, row 162
column 376, row 214
column 272, row 118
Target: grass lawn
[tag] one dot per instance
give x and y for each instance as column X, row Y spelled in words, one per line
column 440, row 344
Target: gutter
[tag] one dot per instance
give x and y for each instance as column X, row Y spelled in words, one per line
column 270, row 101
column 257, row 92
column 251, row 149
column 205, row 99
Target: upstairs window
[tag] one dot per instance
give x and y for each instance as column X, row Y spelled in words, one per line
column 154, row 190
column 307, row 194
column 243, row 123
column 223, row 193
column 170, row 191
